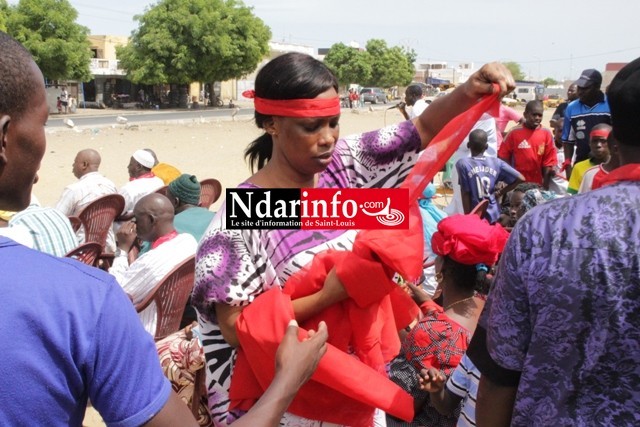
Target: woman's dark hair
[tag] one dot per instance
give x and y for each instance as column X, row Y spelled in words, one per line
column 466, row 277
column 289, row 76
column 526, row 186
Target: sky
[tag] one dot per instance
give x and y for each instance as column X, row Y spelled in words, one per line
column 548, row 38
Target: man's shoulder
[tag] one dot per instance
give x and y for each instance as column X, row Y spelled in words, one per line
column 38, row 211
column 47, row 271
column 583, row 165
column 586, row 211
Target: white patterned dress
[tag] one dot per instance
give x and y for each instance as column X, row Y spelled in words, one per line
column 235, row 266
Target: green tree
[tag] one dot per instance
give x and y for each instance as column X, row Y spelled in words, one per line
column 549, row 82
column 59, row 45
column 516, row 70
column 389, row 66
column 182, row 41
column 350, row 65
column 4, row 15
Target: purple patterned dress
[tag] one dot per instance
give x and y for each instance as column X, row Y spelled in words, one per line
column 235, row 266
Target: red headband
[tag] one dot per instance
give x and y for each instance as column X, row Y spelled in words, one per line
column 317, row 107
column 604, row 133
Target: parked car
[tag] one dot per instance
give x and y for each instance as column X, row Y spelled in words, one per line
column 552, row 101
column 373, row 95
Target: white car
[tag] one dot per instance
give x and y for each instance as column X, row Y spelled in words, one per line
column 509, row 101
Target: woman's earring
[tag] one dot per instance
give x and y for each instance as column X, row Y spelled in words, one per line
column 439, row 277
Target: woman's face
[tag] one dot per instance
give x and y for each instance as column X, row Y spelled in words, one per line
column 516, row 210
column 305, row 145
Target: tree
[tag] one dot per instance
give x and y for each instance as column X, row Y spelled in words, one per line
column 4, row 14
column 48, row 30
column 350, row 65
column 389, row 66
column 515, row 69
column 182, row 41
column 549, row 82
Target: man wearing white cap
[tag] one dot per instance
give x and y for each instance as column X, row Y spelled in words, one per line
column 141, row 180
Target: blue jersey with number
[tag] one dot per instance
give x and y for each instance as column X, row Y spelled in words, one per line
column 478, row 176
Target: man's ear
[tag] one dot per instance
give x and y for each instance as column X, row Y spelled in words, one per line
column 4, row 130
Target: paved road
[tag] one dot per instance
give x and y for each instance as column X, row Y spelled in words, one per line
column 105, row 118
column 94, row 118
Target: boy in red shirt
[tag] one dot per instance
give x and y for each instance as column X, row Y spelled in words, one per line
column 529, row 148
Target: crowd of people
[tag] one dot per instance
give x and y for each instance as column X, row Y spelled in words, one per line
column 524, row 314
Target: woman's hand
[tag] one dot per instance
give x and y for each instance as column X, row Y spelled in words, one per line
column 418, row 294
column 481, row 82
column 431, row 380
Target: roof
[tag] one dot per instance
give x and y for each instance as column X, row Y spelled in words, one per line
column 615, row 66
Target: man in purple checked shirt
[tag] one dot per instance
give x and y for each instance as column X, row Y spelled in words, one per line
column 559, row 340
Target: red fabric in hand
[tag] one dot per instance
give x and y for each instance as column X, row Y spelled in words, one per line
column 342, row 390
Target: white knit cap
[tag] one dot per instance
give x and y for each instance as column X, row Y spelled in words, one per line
column 145, row 158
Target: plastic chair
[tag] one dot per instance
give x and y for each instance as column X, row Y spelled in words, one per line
column 98, row 217
column 171, row 295
column 210, row 190
column 76, row 223
column 86, row 253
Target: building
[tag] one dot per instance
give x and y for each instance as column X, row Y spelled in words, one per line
column 441, row 73
column 109, row 80
column 610, row 71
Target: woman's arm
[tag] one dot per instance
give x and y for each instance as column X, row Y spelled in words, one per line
column 444, row 109
column 295, row 363
column 332, row 292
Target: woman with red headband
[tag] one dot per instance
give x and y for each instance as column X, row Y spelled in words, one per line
column 466, row 247
column 298, row 107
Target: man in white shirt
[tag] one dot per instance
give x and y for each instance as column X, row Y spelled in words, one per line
column 413, row 97
column 141, row 180
column 90, row 186
column 153, row 216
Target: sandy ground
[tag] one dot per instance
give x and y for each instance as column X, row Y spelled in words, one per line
column 207, row 149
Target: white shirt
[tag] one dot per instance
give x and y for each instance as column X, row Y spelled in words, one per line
column 88, row 188
column 139, row 278
column 135, row 190
column 418, row 108
column 75, row 197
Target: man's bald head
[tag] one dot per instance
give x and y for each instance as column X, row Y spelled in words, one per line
column 154, row 217
column 86, row 161
column 156, row 204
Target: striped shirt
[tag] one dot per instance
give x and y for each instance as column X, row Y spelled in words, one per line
column 51, row 230
column 464, row 383
column 88, row 188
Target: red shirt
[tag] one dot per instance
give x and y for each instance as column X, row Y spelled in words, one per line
column 528, row 151
column 598, row 178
